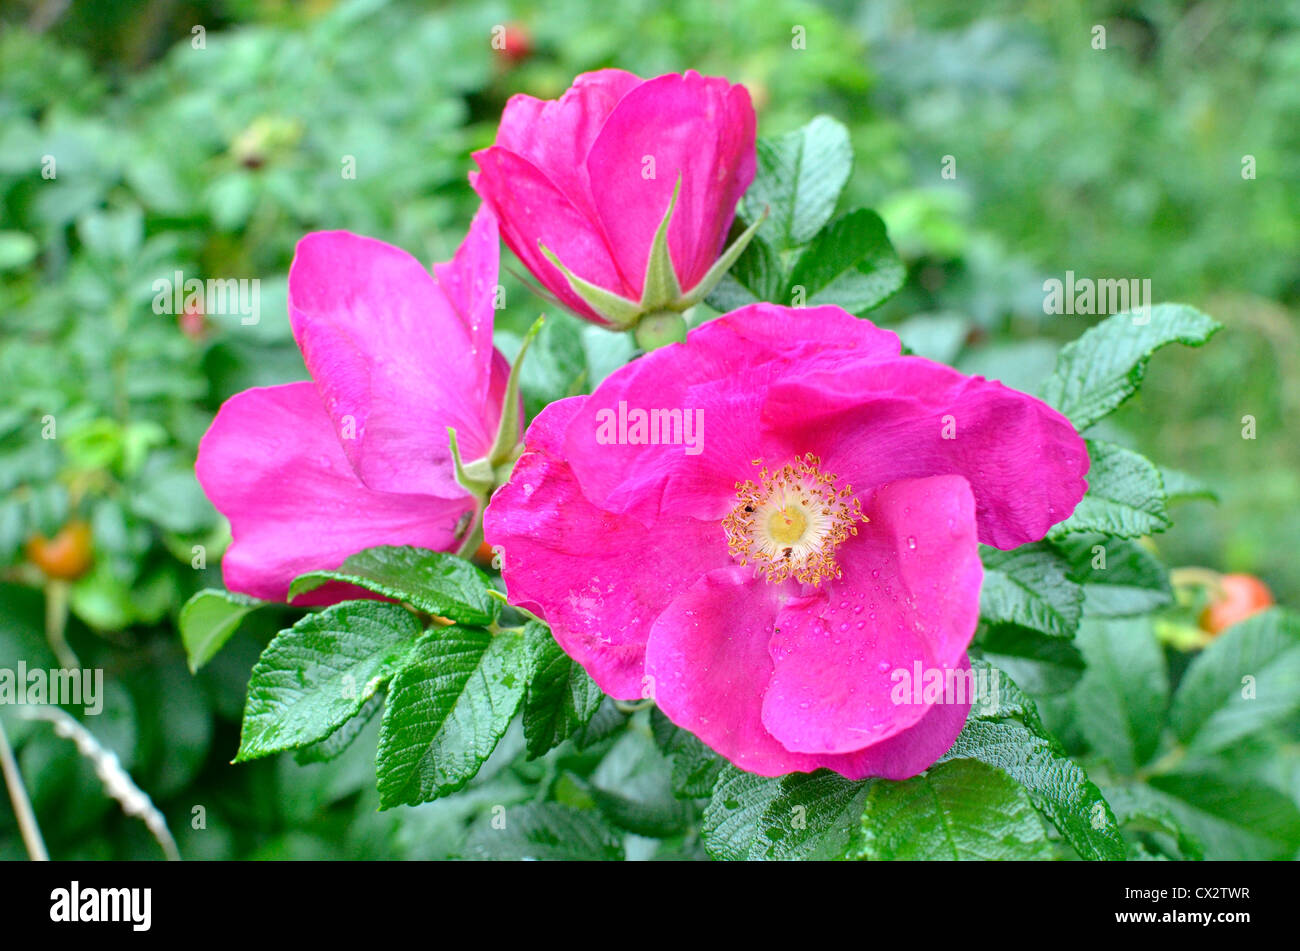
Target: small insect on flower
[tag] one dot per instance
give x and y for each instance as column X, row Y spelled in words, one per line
column 773, row 586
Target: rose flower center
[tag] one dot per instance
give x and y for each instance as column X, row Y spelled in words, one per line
column 789, row 523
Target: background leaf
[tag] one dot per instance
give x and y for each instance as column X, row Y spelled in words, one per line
column 1215, row 706
column 1123, row 696
column 546, row 831
column 207, row 621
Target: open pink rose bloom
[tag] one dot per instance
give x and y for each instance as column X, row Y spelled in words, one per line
column 590, row 177
column 758, row 526
column 310, row 473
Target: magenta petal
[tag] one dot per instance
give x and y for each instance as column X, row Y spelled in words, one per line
column 597, row 578
column 701, row 128
column 271, row 463
column 531, row 209
column 913, row 750
column 723, row 370
column 555, row 135
column 469, row 282
column 709, row 663
column 911, row 418
column 909, row 594
column 709, row 660
column 387, row 351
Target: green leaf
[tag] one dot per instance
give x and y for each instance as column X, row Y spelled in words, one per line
column 1247, row 679
column 960, row 809
column 1179, row 486
column 936, row 336
column 1122, row 698
column 632, row 786
column 696, row 768
column 1120, row 578
column 800, row 177
column 318, row 674
column 561, row 698
column 1009, row 735
column 545, row 831
column 208, row 620
column 757, row 275
column 1105, row 366
column 338, row 742
column 17, row 250
column 1029, row 586
column 1040, row 663
column 446, row 711
column 1125, row 496
column 799, row 816
column 431, row 581
column 1234, row 815
column 850, row 264
column 1141, row 811
column 556, row 366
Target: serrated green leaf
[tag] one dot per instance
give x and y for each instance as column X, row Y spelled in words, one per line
column 1010, row 735
column 849, row 264
column 432, row 581
column 799, row 816
column 1029, row 586
column 961, row 809
column 208, row 620
column 315, row 676
column 1247, row 679
column 696, row 768
column 1124, row 694
column 1120, row 578
column 561, row 698
column 800, row 177
column 1105, row 366
column 545, row 831
column 338, row 742
column 1125, row 496
column 447, row 710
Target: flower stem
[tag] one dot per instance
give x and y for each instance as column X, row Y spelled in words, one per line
column 57, row 593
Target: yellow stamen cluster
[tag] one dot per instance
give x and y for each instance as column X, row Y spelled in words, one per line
column 789, row 522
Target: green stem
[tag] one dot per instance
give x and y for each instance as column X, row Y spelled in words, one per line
column 57, row 594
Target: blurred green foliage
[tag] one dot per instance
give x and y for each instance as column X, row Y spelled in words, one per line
column 133, row 145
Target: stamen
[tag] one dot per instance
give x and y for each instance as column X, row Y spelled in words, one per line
column 789, row 522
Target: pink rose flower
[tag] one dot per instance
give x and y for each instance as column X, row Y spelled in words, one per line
column 811, row 527
column 309, row 473
column 584, row 183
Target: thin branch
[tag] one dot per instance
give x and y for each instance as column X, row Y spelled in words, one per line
column 31, row 832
